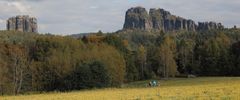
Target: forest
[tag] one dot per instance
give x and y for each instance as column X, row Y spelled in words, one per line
column 31, row 62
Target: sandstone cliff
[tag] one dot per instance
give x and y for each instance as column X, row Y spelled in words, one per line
column 23, row 24
column 160, row 19
column 209, row 25
column 137, row 18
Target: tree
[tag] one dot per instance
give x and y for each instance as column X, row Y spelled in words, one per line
column 185, row 56
column 19, row 64
column 88, row 75
column 141, row 59
column 3, row 76
column 214, row 56
column 132, row 73
column 166, row 58
column 235, row 50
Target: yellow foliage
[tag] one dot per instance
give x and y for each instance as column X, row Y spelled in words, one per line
column 110, row 57
column 94, row 38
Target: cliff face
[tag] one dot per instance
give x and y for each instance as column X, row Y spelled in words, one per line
column 163, row 20
column 23, row 24
column 137, row 18
column 159, row 19
column 209, row 25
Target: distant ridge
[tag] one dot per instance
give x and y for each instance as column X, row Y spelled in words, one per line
column 160, row 19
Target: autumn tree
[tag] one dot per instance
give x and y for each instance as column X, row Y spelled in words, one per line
column 166, row 58
column 3, row 77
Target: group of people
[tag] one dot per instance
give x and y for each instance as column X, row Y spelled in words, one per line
column 153, row 83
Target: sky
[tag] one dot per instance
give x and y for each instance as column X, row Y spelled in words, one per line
column 64, row 17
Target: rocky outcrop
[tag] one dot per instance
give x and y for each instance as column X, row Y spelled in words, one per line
column 209, row 25
column 164, row 20
column 160, row 19
column 23, row 24
column 157, row 18
column 137, row 18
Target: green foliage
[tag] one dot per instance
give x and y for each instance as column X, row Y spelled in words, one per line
column 42, row 63
column 63, row 58
column 117, row 42
column 185, row 57
column 166, row 57
column 33, row 62
column 88, row 75
column 235, row 48
column 132, row 73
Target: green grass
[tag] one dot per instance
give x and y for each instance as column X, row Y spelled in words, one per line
column 184, row 81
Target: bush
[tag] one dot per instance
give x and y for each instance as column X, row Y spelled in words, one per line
column 88, row 75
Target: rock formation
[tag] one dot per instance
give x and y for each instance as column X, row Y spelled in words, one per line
column 137, row 18
column 159, row 19
column 209, row 25
column 23, row 24
column 163, row 20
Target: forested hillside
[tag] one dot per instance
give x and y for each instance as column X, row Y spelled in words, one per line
column 32, row 62
column 203, row 53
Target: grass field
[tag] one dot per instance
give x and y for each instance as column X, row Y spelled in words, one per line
column 205, row 88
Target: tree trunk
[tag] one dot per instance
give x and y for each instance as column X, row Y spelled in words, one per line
column 1, row 89
column 20, row 81
column 15, row 78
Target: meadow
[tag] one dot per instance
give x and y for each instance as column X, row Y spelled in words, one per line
column 204, row 88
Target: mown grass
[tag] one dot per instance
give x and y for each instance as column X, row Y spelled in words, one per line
column 205, row 88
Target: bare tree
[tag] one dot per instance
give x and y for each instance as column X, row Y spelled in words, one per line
column 19, row 65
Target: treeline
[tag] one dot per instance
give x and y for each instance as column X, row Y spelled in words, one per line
column 33, row 62
column 179, row 54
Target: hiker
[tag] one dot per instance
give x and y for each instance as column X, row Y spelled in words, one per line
column 153, row 83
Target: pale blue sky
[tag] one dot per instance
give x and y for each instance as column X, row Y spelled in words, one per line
column 80, row 16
